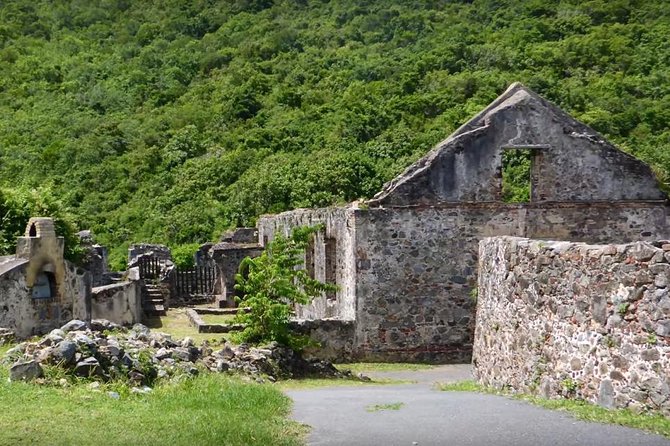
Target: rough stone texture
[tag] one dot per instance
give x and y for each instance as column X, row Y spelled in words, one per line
column 120, row 303
column 338, row 225
column 407, row 259
column 25, row 371
column 95, row 261
column 140, row 355
column 227, row 257
column 161, row 251
column 572, row 162
column 334, row 337
column 571, row 319
column 43, row 252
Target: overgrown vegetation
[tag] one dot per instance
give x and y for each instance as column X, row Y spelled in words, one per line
column 272, row 284
column 209, row 409
column 580, row 409
column 171, row 121
column 17, row 205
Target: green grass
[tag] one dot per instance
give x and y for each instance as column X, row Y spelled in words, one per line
column 177, row 324
column 356, row 368
column 652, row 422
column 311, row 383
column 379, row 407
column 210, row 409
column 370, row 367
column 221, row 319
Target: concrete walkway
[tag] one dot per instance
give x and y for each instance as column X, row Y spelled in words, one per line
column 426, row 416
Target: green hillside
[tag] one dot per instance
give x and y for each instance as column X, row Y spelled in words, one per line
column 170, row 121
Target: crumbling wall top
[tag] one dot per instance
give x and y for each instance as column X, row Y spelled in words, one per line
column 570, row 162
column 40, row 227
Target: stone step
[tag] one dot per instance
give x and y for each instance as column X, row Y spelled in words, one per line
column 155, row 301
column 154, row 310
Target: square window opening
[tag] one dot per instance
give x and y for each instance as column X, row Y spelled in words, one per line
column 516, row 175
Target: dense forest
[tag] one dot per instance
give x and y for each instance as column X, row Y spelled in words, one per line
column 171, row 121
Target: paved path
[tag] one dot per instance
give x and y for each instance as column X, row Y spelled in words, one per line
column 344, row 416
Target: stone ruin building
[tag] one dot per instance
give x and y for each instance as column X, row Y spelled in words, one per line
column 406, row 260
column 39, row 289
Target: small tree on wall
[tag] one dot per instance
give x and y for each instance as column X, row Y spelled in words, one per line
column 272, row 284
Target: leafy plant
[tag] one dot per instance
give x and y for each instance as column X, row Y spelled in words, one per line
column 272, row 284
column 622, row 308
column 570, row 386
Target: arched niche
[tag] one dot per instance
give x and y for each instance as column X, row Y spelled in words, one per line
column 45, row 285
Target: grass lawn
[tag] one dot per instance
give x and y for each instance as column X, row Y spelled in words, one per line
column 207, row 410
column 356, row 368
column 177, row 324
column 369, row 367
column 221, row 319
column 582, row 410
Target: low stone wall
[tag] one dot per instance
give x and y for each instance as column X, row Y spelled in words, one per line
column 335, row 338
column 120, row 303
column 575, row 320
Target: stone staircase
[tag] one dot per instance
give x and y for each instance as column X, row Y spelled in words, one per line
column 154, row 301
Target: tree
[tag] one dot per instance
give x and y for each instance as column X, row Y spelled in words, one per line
column 272, row 284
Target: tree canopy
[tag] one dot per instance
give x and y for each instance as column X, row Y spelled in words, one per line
column 169, row 121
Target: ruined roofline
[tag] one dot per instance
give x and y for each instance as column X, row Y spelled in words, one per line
column 479, row 123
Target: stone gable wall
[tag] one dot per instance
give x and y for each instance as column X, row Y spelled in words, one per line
column 571, row 161
column 576, row 320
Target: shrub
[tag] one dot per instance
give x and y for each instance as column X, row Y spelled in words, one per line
column 272, row 284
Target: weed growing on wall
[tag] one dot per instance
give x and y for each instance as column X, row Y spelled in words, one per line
column 272, row 284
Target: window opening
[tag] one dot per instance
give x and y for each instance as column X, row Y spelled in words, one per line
column 516, row 175
column 33, row 231
column 309, row 257
column 331, row 266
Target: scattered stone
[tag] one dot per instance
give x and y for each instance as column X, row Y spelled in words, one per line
column 74, row 325
column 6, row 336
column 104, row 324
column 25, row 371
column 141, row 390
column 87, row 368
column 142, row 356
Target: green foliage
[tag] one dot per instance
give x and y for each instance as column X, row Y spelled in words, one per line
column 183, row 255
column 622, row 308
column 516, row 164
column 18, row 205
column 272, row 284
column 169, row 122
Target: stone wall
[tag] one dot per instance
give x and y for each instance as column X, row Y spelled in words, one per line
column 417, row 266
column 28, row 316
column 570, row 161
column 578, row 320
column 227, row 258
column 406, row 274
column 120, row 303
column 160, row 251
column 335, row 338
column 338, row 226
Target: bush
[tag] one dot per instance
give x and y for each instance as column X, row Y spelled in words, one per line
column 272, row 284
